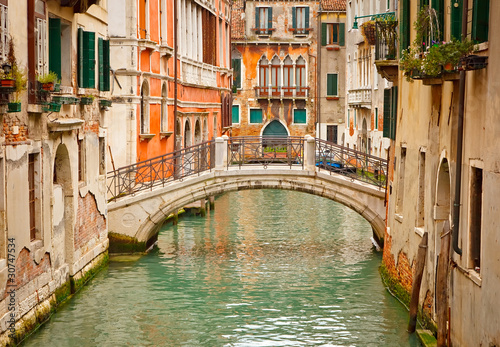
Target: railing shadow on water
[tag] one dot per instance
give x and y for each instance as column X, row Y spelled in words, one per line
column 160, row 170
column 257, row 151
column 351, row 163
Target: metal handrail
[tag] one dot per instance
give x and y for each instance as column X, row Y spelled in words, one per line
column 351, row 163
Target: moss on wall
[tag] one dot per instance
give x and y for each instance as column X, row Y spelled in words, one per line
column 394, row 286
column 124, row 244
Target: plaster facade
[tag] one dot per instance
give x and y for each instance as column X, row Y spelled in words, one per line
column 53, row 213
column 421, row 192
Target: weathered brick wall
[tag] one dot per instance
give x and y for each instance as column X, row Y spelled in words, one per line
column 401, row 270
column 26, row 268
column 9, row 122
column 89, row 221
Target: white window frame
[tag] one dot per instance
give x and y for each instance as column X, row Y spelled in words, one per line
column 41, row 44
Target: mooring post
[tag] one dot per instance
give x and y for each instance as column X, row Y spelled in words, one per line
column 442, row 286
column 417, row 281
column 309, row 155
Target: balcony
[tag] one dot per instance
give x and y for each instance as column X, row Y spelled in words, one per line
column 386, row 44
column 360, row 97
column 281, row 92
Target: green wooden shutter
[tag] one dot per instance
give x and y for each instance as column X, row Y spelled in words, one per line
column 332, row 85
column 307, row 18
column 387, row 113
column 100, row 45
column 257, row 18
column 236, row 113
column 480, row 20
column 89, row 59
column 323, row 34
column 299, row 116
column 255, row 116
column 294, row 17
column 456, row 20
column 55, row 46
column 80, row 58
column 404, row 25
column 341, row 34
column 107, row 67
column 394, row 111
column 270, row 20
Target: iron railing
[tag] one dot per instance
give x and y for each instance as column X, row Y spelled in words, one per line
column 263, row 150
column 351, row 163
column 160, row 170
column 387, row 40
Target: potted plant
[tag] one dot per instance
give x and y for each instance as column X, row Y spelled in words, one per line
column 6, row 78
column 48, row 80
column 87, row 100
column 18, row 75
column 369, row 32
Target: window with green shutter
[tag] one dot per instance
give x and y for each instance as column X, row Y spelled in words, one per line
column 236, row 114
column 404, row 24
column 299, row 116
column 255, row 115
column 332, row 84
column 480, row 20
column 330, row 33
column 104, row 67
column 438, row 6
column 263, row 20
column 300, row 20
column 456, row 19
column 390, row 112
column 100, row 50
column 341, row 34
column 86, row 59
column 55, row 46
column 107, row 67
column 237, row 72
column 376, row 118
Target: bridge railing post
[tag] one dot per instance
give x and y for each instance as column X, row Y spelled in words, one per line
column 220, row 153
column 309, row 153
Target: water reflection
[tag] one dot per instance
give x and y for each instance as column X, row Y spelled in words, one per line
column 268, row 268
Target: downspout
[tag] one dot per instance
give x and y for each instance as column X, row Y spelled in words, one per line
column 460, row 135
column 175, row 74
column 318, row 74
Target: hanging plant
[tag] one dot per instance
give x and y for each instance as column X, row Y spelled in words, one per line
column 369, row 32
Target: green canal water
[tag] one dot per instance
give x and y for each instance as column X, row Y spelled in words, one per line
column 266, row 268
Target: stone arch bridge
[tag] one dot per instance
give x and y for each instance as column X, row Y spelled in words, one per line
column 141, row 196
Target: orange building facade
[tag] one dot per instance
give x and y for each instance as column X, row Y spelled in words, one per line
column 142, row 41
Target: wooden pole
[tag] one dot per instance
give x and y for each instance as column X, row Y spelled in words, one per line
column 417, row 281
column 442, row 286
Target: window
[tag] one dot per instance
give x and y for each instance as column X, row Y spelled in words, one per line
column 376, row 118
column 299, row 116
column 475, row 210
column 40, row 43
column 33, row 187
column 255, row 115
column 401, row 182
column 59, row 48
column 163, row 115
column 81, row 160
column 144, row 121
column 300, row 76
column 288, row 76
column 456, row 19
column 331, row 133
column 276, row 75
column 143, row 19
column 102, row 156
column 480, row 20
column 236, row 72
column 332, row 34
column 86, row 59
column 263, row 20
column 390, row 112
column 4, row 31
column 405, row 24
column 421, row 191
column 332, row 84
column 263, row 75
column 438, row 6
column 104, row 68
column 300, row 20
column 236, row 114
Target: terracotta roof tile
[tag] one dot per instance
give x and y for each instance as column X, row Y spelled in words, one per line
column 333, row 5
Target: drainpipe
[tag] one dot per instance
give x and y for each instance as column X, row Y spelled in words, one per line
column 318, row 75
column 175, row 73
column 460, row 135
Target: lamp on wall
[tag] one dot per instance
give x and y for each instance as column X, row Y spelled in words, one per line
column 6, row 68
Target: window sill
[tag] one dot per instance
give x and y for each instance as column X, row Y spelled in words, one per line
column 332, row 98
column 333, row 48
column 398, row 217
column 420, row 231
column 146, row 137
column 165, row 134
column 480, row 47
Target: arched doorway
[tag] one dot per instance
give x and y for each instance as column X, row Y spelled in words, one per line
column 144, row 118
column 188, row 141
column 197, row 132
column 275, row 129
column 62, row 207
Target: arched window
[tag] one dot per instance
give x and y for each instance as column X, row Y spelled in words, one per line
column 144, row 108
column 163, row 116
column 188, row 140
column 288, row 76
column 300, row 76
column 263, row 76
column 276, row 75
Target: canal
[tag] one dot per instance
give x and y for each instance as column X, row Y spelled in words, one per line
column 266, row 268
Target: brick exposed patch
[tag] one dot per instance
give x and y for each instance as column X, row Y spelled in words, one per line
column 9, row 122
column 402, row 270
column 89, row 221
column 27, row 270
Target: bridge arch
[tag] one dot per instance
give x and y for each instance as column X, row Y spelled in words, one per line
column 141, row 217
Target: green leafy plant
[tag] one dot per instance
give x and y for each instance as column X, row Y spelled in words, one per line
column 368, row 30
column 387, row 31
column 16, row 73
column 50, row 77
column 446, row 55
column 427, row 28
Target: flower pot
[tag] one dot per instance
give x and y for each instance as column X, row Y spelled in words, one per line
column 86, row 101
column 14, row 107
column 474, row 62
column 51, row 107
column 10, row 83
column 48, row 86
